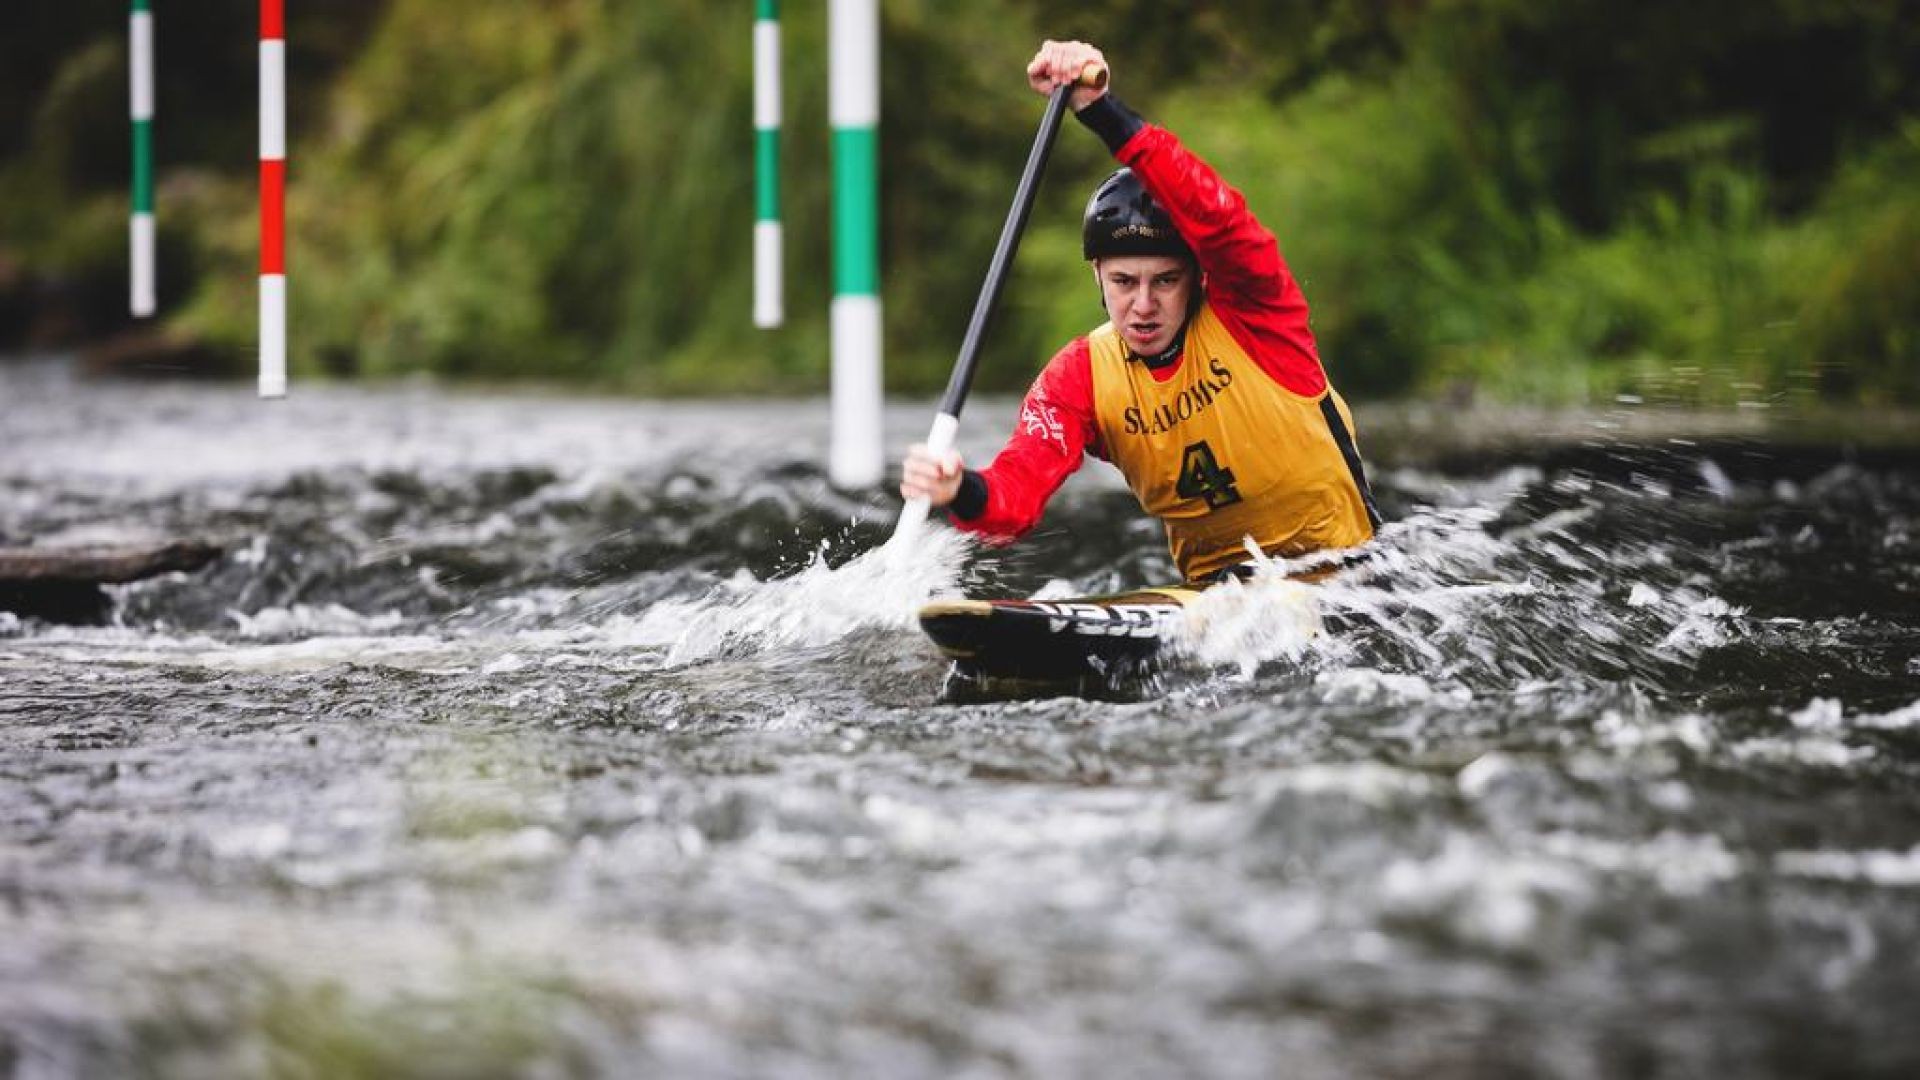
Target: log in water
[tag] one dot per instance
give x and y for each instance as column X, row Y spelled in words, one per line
column 62, row 584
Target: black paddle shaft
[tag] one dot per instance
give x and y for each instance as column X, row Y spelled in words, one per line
column 962, row 379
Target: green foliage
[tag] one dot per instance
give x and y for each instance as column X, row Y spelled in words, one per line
column 1549, row 201
column 1863, row 289
column 542, row 192
column 565, row 192
column 1432, row 270
column 76, row 100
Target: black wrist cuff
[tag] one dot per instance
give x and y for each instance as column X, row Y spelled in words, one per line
column 971, row 500
column 1109, row 118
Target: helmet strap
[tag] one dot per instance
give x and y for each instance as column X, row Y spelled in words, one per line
column 1174, row 348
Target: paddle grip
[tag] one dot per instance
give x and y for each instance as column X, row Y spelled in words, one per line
column 914, row 514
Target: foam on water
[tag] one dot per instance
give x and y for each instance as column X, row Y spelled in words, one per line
column 1829, row 716
column 1440, row 564
column 1243, row 624
column 1363, row 781
column 1368, row 686
column 1452, row 589
column 1899, row 868
column 1682, row 864
column 311, row 620
column 413, row 652
column 816, row 606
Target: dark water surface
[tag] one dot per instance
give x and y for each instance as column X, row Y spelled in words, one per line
column 535, row 736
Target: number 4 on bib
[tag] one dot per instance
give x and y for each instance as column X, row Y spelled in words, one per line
column 1202, row 477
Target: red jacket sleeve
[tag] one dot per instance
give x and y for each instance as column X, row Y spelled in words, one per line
column 1247, row 281
column 1050, row 439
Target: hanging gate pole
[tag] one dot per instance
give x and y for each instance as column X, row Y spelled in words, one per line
column 853, row 106
column 141, row 226
column 769, row 310
column 273, row 199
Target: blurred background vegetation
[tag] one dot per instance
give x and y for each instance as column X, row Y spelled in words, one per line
column 1540, row 200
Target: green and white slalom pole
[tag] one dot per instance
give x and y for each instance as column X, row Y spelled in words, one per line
column 768, row 307
column 853, row 107
column 273, row 199
column 141, row 227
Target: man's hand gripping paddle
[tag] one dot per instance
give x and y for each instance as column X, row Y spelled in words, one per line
column 940, row 438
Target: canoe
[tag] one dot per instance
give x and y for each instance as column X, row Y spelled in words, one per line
column 1104, row 637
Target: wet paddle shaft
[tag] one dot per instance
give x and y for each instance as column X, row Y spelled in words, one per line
column 940, row 438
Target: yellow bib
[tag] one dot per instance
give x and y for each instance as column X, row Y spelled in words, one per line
column 1221, row 452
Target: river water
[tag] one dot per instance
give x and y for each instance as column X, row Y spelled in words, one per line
column 538, row 736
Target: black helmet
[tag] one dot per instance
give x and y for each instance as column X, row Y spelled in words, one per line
column 1123, row 219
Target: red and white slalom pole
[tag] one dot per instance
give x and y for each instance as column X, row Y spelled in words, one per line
column 273, row 199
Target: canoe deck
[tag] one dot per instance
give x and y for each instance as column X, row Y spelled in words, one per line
column 1056, row 640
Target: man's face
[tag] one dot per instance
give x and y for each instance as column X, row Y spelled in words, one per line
column 1146, row 298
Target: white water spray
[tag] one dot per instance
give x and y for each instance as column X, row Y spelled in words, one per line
column 817, row 606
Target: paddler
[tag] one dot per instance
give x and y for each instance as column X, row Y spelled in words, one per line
column 1204, row 387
